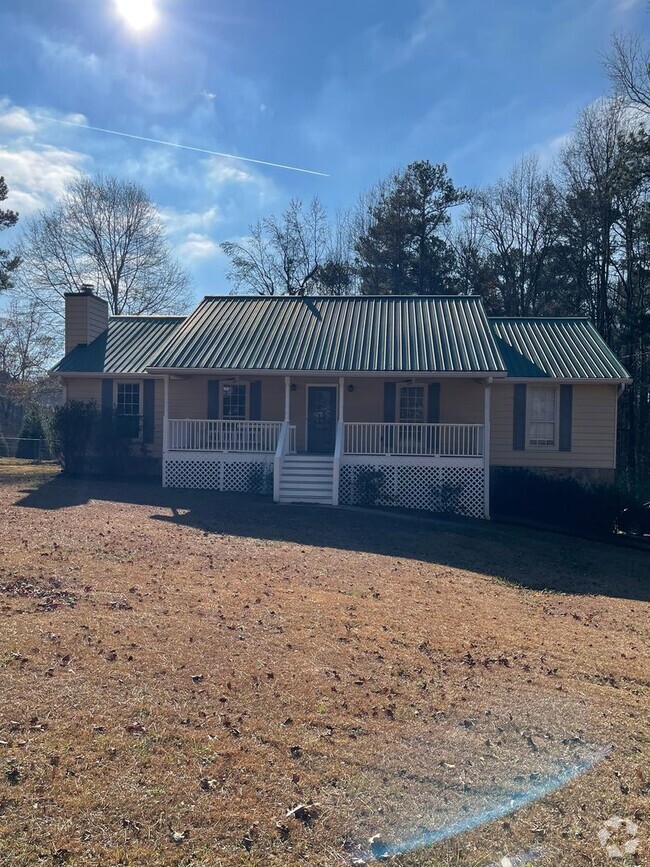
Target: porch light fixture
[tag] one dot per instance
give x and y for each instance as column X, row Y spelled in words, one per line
column 293, row 386
column 350, row 388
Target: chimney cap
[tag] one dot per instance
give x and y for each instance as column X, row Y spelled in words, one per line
column 87, row 288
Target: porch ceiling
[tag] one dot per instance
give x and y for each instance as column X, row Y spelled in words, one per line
column 409, row 334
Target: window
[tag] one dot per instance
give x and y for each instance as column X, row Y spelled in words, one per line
column 542, row 416
column 411, row 403
column 128, row 408
column 234, row 403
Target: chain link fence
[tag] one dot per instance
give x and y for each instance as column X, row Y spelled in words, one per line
column 33, row 450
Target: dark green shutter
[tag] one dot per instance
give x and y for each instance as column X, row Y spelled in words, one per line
column 566, row 417
column 519, row 419
column 390, row 390
column 213, row 398
column 148, row 410
column 255, row 410
column 433, row 403
column 107, row 396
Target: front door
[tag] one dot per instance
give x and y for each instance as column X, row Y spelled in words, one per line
column 321, row 418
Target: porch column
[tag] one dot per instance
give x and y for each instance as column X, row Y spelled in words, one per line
column 338, row 447
column 166, row 415
column 165, row 436
column 486, row 449
column 287, row 398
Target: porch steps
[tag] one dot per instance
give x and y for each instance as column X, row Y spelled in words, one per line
column 307, row 479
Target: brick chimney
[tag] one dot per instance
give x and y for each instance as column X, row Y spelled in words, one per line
column 86, row 317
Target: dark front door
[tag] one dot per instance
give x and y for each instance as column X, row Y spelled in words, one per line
column 321, row 418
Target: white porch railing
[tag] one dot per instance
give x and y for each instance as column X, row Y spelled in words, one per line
column 444, row 440
column 212, row 435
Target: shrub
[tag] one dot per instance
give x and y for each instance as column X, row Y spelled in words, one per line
column 114, row 440
column 445, row 499
column 69, row 433
column 564, row 502
column 370, row 487
column 31, row 435
column 260, row 480
column 4, row 448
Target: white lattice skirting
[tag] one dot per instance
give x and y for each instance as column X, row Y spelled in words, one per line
column 252, row 473
column 458, row 489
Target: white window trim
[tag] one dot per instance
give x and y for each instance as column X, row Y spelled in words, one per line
column 556, row 443
column 425, row 399
column 247, row 400
column 140, row 384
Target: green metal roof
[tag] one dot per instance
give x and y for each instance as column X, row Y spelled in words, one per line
column 394, row 334
column 128, row 346
column 558, row 348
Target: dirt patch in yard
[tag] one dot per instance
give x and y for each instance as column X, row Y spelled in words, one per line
column 209, row 679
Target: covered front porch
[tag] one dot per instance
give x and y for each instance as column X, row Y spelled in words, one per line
column 310, row 438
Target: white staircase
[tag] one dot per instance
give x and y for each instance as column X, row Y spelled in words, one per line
column 307, row 479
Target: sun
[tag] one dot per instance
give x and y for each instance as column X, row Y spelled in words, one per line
column 138, row 14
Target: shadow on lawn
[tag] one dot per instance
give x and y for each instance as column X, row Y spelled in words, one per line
column 550, row 561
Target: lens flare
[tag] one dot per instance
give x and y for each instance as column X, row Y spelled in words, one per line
column 138, row 14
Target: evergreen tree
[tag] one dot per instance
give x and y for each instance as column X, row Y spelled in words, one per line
column 8, row 263
column 30, row 435
column 401, row 250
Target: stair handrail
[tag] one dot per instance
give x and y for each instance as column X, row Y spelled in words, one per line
column 336, row 465
column 280, row 451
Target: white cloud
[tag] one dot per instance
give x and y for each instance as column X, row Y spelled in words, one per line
column 186, row 221
column 65, row 53
column 197, row 246
column 36, row 177
column 626, row 5
column 36, row 173
column 14, row 119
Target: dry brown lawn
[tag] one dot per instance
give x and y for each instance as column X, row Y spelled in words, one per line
column 178, row 670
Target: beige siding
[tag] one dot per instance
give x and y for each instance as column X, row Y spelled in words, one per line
column 462, row 402
column 84, row 388
column 188, row 397
column 593, row 431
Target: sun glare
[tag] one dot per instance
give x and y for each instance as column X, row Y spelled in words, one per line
column 138, row 14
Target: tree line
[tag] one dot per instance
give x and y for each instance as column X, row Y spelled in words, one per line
column 569, row 238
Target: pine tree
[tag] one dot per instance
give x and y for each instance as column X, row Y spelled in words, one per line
column 402, row 251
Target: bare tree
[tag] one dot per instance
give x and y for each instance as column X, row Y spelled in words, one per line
column 109, row 233
column 516, row 222
column 628, row 66
column 27, row 340
column 297, row 253
column 27, row 345
column 590, row 167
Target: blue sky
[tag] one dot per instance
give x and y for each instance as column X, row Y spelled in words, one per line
column 352, row 89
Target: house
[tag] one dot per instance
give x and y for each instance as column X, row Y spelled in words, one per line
column 317, row 398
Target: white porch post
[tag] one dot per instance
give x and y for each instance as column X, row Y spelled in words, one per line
column 338, row 447
column 165, row 440
column 486, row 449
column 287, row 398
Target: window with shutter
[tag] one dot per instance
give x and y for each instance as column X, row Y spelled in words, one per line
column 542, row 404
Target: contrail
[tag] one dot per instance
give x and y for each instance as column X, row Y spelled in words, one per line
column 174, row 144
